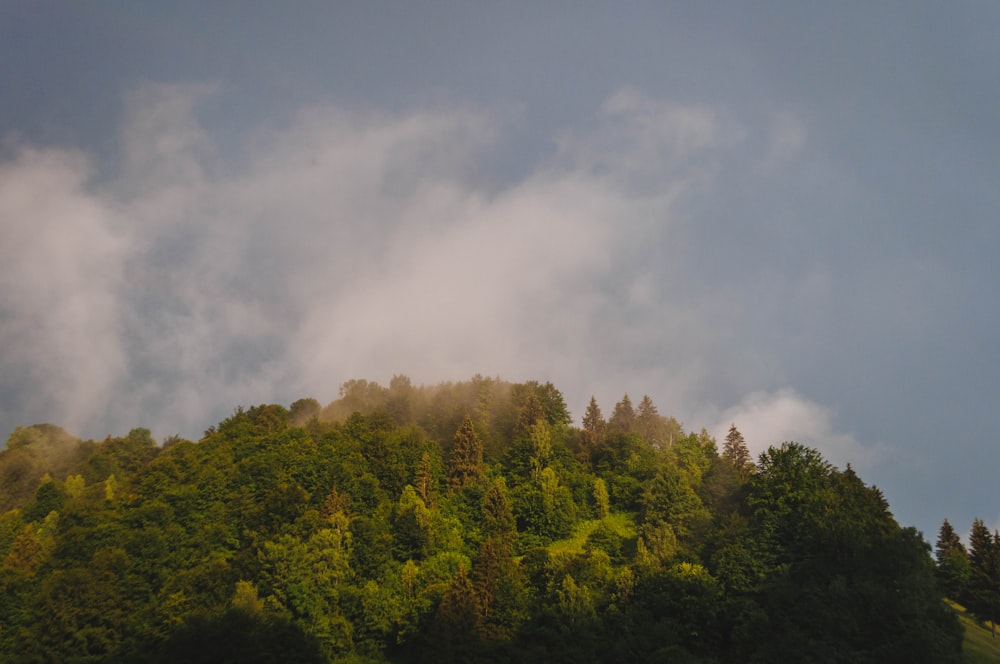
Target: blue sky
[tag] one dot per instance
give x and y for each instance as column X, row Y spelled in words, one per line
column 780, row 215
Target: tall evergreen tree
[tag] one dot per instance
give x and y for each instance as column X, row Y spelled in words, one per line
column 594, row 428
column 953, row 567
column 423, row 480
column 458, row 623
column 984, row 586
column 649, row 423
column 498, row 519
column 735, row 452
column 465, row 463
column 623, row 417
column 530, row 413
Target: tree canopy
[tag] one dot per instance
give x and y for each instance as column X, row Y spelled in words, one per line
column 468, row 521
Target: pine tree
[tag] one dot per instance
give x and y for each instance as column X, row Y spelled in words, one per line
column 465, row 464
column 736, row 453
column 953, row 567
column 423, row 480
column 458, row 622
column 530, row 413
column 649, row 423
column 984, row 586
column 592, row 434
column 498, row 519
column 623, row 417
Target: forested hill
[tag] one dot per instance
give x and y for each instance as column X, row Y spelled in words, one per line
column 468, row 521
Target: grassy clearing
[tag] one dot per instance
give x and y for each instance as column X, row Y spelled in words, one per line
column 623, row 523
column 979, row 646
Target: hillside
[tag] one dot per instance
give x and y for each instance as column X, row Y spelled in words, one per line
column 467, row 521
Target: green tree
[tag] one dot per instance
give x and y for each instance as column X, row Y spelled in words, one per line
column 498, row 519
column 465, row 463
column 839, row 576
column 303, row 411
column 593, row 432
column 658, row 431
column 984, row 585
column 601, row 499
column 458, row 621
column 735, row 451
column 423, row 480
column 623, row 417
column 953, row 566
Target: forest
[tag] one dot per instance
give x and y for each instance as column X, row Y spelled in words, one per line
column 464, row 522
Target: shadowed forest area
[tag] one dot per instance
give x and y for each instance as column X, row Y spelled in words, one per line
column 467, row 521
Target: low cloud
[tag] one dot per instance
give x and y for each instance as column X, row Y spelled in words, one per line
column 346, row 244
column 772, row 418
column 62, row 253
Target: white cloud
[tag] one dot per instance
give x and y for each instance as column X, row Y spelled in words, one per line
column 357, row 244
column 61, row 253
column 772, row 418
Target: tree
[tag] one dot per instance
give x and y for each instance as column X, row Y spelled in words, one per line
column 601, row 499
column 839, row 576
column 465, row 463
column 498, row 519
column 458, row 623
column 623, row 417
column 953, row 567
column 302, row 411
column 735, row 452
column 655, row 429
column 594, row 428
column 984, row 586
column 530, row 414
column 423, row 480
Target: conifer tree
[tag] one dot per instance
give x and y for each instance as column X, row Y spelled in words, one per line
column 531, row 412
column 623, row 417
column 498, row 519
column 594, row 427
column 736, row 453
column 953, row 567
column 423, row 480
column 649, row 423
column 465, row 464
column 984, row 558
column 458, row 622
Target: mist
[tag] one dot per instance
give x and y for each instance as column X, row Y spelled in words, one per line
column 362, row 244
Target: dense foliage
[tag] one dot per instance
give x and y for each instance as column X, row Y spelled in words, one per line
column 464, row 522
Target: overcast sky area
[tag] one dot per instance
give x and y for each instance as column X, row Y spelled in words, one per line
column 767, row 214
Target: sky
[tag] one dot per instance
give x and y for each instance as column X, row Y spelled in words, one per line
column 781, row 215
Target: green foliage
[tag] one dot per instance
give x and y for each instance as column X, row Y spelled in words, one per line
column 456, row 523
column 465, row 461
column 953, row 567
column 736, row 453
column 983, row 591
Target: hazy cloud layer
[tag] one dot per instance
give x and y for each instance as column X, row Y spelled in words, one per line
column 360, row 243
column 767, row 419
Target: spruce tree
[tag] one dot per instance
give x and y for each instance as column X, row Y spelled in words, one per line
column 953, row 569
column 465, row 464
column 423, row 480
column 736, row 453
column 648, row 422
column 592, row 434
column 623, row 417
column 529, row 414
column 984, row 586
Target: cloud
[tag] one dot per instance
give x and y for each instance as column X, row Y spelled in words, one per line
column 771, row 418
column 354, row 243
column 60, row 322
